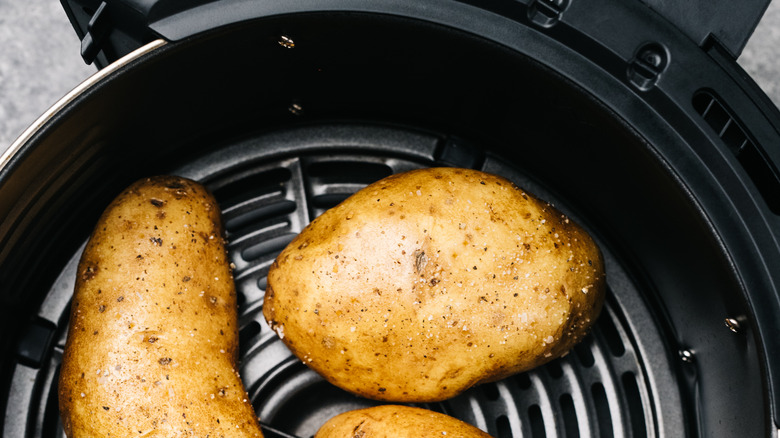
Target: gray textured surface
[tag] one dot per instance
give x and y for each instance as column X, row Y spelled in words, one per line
column 761, row 56
column 40, row 62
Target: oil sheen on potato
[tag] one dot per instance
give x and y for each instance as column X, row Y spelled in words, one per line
column 152, row 343
column 426, row 283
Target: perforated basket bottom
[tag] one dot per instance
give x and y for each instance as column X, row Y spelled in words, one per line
column 616, row 383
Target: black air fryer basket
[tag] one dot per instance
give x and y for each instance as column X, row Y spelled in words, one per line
column 631, row 117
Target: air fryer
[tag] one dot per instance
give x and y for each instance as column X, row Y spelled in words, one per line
column 641, row 128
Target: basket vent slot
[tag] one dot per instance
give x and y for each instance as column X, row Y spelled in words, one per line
column 333, row 181
column 269, row 247
column 523, row 380
column 761, row 171
column 554, row 369
column 329, row 200
column 360, row 172
column 635, row 405
column 246, row 336
column 537, row 422
column 503, row 427
column 248, row 186
column 611, row 335
column 582, row 350
column 569, row 416
column 491, row 391
column 259, row 214
column 603, row 415
column 254, row 198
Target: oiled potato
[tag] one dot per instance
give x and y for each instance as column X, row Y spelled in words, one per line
column 426, row 283
column 152, row 344
column 392, row 421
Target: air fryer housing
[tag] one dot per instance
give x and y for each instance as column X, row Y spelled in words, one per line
column 628, row 116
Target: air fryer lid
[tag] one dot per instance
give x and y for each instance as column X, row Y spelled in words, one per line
column 283, row 134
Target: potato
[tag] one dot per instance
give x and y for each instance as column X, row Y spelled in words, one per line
column 391, row 421
column 152, row 344
column 426, row 283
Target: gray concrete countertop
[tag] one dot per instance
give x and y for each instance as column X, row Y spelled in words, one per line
column 40, row 61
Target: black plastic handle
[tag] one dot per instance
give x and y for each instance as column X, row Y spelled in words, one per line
column 112, row 28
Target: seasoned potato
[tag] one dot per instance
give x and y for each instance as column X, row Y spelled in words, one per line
column 152, row 344
column 426, row 283
column 391, row 421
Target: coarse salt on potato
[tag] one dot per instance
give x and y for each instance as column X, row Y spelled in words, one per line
column 397, row 421
column 429, row 282
column 152, row 344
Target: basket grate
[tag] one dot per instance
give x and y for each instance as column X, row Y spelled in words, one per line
column 604, row 388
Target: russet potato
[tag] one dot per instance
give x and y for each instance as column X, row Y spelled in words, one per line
column 397, row 421
column 152, row 344
column 429, row 282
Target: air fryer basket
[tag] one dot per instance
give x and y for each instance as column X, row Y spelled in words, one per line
column 280, row 132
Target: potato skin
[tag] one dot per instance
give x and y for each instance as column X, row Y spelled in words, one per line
column 396, row 421
column 152, row 344
column 428, row 282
